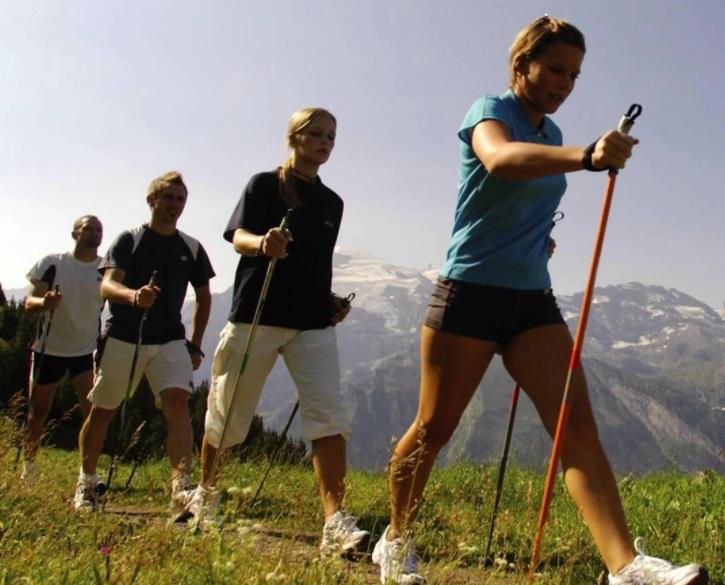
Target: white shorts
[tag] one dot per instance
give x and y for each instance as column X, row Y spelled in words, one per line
column 312, row 360
column 166, row 366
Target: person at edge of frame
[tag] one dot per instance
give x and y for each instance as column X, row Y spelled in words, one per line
column 297, row 322
column 493, row 294
column 76, row 308
column 164, row 355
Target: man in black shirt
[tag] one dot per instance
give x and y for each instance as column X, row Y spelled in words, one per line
column 164, row 356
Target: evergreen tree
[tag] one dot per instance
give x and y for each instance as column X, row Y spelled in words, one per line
column 17, row 328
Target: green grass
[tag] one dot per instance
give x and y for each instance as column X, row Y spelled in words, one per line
column 43, row 541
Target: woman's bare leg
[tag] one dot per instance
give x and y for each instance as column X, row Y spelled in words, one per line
column 538, row 360
column 451, row 368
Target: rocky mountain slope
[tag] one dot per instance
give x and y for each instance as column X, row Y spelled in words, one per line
column 654, row 357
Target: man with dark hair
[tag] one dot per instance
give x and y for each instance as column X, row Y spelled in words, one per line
column 66, row 287
column 164, row 356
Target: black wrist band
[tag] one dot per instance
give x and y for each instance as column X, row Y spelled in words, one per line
column 587, row 158
column 193, row 348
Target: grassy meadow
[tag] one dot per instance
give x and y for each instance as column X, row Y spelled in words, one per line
column 682, row 517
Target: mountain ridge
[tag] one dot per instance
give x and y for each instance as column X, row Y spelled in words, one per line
column 654, row 357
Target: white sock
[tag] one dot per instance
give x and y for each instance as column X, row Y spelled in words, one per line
column 180, row 483
column 87, row 478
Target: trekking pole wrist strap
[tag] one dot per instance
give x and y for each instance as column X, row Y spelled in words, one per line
column 193, row 348
column 587, row 158
column 260, row 250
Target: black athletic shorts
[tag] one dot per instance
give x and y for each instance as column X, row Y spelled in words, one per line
column 489, row 313
column 53, row 367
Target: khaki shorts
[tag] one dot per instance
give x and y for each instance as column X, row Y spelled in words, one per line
column 312, row 360
column 165, row 366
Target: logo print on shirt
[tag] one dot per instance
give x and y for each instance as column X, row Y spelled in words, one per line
column 184, row 258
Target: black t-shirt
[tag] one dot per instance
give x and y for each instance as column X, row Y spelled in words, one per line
column 178, row 261
column 299, row 293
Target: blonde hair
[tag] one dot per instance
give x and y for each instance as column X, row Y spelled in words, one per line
column 164, row 182
column 296, row 124
column 538, row 36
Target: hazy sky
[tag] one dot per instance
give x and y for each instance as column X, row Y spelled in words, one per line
column 97, row 98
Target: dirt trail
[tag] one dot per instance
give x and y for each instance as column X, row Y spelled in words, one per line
column 303, row 546
column 300, row 546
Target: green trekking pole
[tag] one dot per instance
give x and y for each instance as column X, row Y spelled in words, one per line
column 247, row 349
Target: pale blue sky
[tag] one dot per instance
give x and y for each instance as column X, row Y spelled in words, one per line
column 100, row 97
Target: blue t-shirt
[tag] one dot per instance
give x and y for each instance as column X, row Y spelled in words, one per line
column 501, row 226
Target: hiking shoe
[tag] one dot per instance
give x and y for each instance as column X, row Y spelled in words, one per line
column 181, row 495
column 86, row 496
column 646, row 570
column 202, row 509
column 397, row 560
column 29, row 474
column 342, row 537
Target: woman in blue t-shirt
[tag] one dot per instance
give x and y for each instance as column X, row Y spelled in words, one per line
column 493, row 295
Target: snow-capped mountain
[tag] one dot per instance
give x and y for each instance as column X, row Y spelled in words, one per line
column 654, row 358
column 654, row 331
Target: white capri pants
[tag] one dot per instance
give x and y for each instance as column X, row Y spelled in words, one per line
column 312, row 360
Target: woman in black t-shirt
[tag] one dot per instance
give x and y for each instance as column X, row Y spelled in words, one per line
column 297, row 321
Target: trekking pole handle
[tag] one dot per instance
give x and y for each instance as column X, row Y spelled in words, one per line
column 625, row 125
column 627, row 120
column 56, row 290
column 285, row 220
column 152, row 283
column 145, row 312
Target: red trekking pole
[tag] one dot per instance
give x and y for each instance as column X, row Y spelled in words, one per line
column 625, row 125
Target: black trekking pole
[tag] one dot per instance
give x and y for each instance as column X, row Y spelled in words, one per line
column 135, row 438
column 247, row 349
column 502, row 468
column 114, row 453
column 273, row 456
column 33, row 378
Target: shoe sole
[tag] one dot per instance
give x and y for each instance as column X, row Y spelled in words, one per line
column 182, row 517
column 357, row 550
column 701, row 579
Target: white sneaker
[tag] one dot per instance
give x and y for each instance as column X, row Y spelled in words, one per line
column 29, row 474
column 397, row 560
column 342, row 537
column 202, row 509
column 181, row 495
column 86, row 496
column 646, row 570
